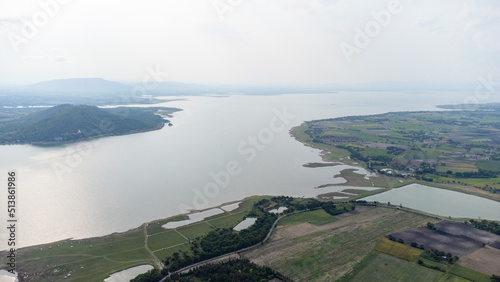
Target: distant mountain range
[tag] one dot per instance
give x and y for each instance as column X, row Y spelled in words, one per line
column 78, row 85
column 69, row 123
column 92, row 86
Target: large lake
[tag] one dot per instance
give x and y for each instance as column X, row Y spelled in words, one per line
column 117, row 183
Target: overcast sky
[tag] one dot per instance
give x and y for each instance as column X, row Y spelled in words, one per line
column 250, row 41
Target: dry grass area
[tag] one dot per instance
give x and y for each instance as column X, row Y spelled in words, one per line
column 398, row 250
column 485, row 260
column 307, row 252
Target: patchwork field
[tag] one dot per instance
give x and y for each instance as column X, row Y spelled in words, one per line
column 327, row 252
column 455, row 238
column 382, row 267
column 485, row 260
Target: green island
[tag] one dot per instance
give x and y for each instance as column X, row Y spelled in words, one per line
column 69, row 123
column 455, row 149
column 310, row 241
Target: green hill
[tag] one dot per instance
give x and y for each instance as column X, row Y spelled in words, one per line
column 69, row 123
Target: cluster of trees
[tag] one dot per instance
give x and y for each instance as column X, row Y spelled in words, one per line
column 479, row 174
column 486, row 225
column 395, row 150
column 222, row 241
column 308, row 204
column 357, row 155
column 431, row 226
column 232, row 270
column 152, row 275
column 417, row 245
column 439, row 256
column 392, row 238
column 495, row 278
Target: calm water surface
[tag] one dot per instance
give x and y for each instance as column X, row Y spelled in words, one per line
column 440, row 202
column 113, row 184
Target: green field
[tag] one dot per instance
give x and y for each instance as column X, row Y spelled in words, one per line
column 383, row 267
column 316, row 217
column 195, row 230
column 165, row 240
column 470, row 274
column 398, row 250
column 99, row 257
column 488, row 165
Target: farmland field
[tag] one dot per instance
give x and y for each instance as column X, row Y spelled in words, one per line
column 383, row 267
column 316, row 217
column 327, row 252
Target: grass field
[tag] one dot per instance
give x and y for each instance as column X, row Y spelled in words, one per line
column 457, row 167
column 470, row 274
column 99, row 257
column 324, row 253
column 489, row 165
column 316, row 217
column 165, row 240
column 383, row 267
column 398, row 250
column 194, row 230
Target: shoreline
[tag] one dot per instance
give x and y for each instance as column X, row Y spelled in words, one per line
column 390, row 181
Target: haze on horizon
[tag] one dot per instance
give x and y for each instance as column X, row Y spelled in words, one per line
column 287, row 42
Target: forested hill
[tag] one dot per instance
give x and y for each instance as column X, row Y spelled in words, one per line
column 69, row 123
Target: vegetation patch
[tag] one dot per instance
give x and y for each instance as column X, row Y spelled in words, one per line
column 316, row 217
column 398, row 250
column 383, row 267
column 469, row 274
column 232, row 270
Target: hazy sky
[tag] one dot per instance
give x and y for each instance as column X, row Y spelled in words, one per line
column 250, row 41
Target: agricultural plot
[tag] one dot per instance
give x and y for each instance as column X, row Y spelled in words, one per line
column 485, row 260
column 165, row 240
column 316, row 217
column 477, row 249
column 398, row 250
column 90, row 259
column 382, row 267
